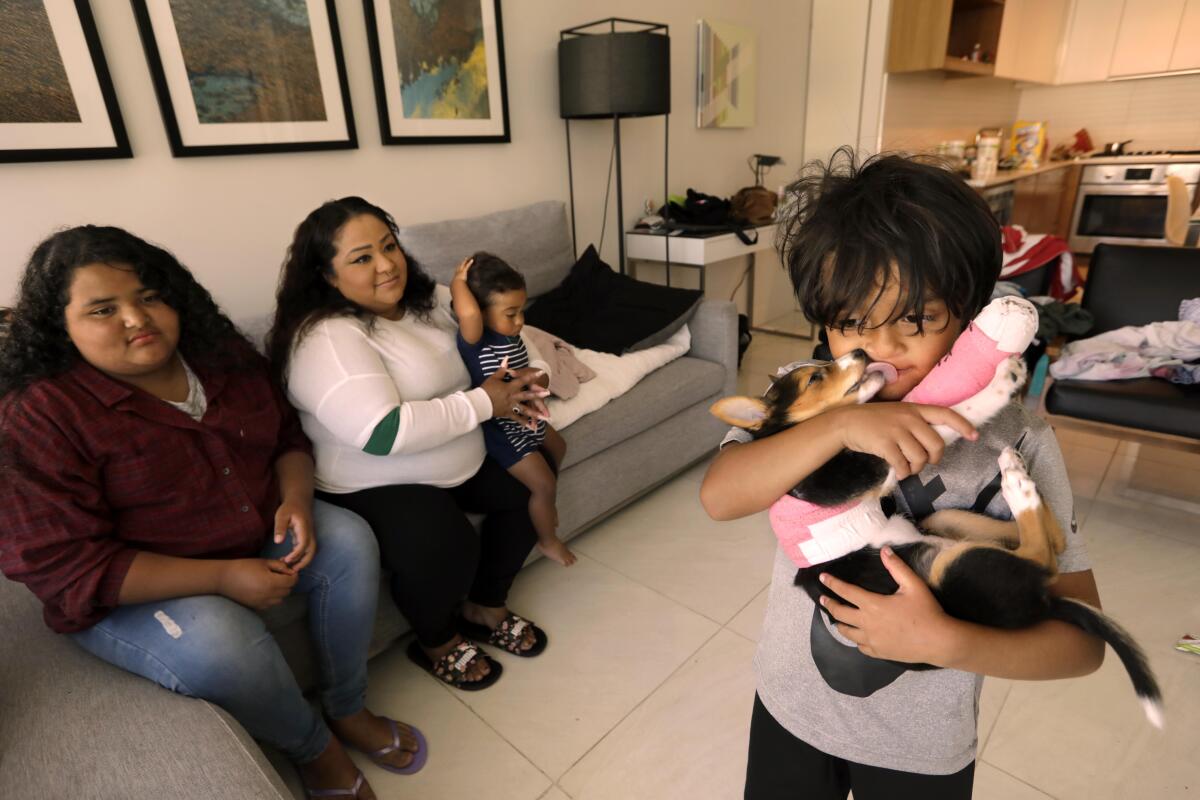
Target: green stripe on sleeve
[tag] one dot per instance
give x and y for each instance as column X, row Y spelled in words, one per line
column 384, row 435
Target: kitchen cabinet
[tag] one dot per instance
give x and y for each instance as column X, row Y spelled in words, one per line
column 1187, row 44
column 917, row 35
column 1030, row 34
column 1020, row 37
column 1089, row 41
column 1042, row 203
column 1146, row 37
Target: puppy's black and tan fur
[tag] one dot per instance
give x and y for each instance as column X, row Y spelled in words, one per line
column 980, row 569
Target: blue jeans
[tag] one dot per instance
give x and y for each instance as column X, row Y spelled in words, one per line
column 215, row 649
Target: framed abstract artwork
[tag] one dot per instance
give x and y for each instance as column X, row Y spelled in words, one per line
column 56, row 97
column 247, row 76
column 439, row 70
column 726, row 67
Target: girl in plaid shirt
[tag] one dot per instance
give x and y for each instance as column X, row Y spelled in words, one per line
column 152, row 474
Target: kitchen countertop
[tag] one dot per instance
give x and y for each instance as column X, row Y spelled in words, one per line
column 1133, row 160
column 1009, row 175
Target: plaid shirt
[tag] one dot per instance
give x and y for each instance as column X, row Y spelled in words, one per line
column 94, row 471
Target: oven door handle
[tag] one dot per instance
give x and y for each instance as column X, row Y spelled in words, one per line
column 1128, row 189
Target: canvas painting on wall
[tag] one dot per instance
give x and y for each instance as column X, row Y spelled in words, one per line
column 439, row 70
column 727, row 86
column 247, row 76
column 56, row 98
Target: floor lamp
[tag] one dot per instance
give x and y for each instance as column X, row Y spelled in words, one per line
column 611, row 74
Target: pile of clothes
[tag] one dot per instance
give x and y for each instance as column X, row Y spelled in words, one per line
column 1025, row 252
column 1169, row 350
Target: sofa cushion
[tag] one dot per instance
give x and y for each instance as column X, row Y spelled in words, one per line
column 72, row 725
column 534, row 239
column 657, row 397
column 599, row 309
column 1151, row 404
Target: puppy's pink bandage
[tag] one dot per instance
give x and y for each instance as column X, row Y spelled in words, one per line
column 1005, row 326
column 812, row 534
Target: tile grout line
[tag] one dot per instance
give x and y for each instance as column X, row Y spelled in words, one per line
column 456, row 695
column 744, row 607
column 1018, row 780
column 992, row 728
column 659, row 592
column 553, row 782
column 641, row 702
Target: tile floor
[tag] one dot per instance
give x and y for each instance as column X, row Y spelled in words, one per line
column 646, row 689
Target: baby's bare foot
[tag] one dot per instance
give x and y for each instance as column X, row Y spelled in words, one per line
column 556, row 551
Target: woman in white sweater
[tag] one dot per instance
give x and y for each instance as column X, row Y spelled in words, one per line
column 364, row 342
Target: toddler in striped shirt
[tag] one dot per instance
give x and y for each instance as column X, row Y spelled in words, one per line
column 489, row 297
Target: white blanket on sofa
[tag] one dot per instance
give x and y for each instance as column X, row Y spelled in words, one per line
column 615, row 375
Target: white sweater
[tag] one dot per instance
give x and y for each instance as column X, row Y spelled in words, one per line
column 344, row 378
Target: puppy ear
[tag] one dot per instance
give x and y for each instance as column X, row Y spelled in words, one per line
column 741, row 412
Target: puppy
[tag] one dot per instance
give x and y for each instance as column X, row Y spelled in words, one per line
column 980, row 569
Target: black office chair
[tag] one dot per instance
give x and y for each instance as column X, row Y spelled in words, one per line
column 1130, row 285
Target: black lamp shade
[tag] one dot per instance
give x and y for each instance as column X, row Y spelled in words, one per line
column 614, row 74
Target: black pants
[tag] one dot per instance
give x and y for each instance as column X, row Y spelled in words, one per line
column 784, row 767
column 434, row 553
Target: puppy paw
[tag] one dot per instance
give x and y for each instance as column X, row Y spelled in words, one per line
column 1018, row 488
column 1010, row 322
column 1010, row 375
column 1010, row 459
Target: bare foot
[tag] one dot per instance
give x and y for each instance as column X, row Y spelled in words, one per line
column 333, row 769
column 490, row 617
column 368, row 733
column 556, row 551
column 478, row 668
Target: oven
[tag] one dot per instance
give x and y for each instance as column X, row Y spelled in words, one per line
column 1126, row 203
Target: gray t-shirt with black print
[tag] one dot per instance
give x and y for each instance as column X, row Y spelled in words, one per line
column 914, row 721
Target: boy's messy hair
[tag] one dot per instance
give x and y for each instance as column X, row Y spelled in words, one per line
column 846, row 223
column 491, row 274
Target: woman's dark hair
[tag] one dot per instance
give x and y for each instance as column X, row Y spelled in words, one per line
column 36, row 345
column 846, row 225
column 491, row 274
column 305, row 296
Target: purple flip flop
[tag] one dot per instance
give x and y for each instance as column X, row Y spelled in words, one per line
column 351, row 792
column 419, row 757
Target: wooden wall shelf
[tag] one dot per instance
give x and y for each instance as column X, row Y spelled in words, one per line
column 953, row 64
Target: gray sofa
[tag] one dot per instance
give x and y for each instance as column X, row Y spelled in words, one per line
column 71, row 725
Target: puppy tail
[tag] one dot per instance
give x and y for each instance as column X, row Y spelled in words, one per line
column 1094, row 622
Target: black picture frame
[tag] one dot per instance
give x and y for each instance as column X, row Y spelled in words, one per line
column 179, row 132
column 385, row 100
column 14, row 143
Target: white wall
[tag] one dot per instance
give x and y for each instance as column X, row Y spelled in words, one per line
column 230, row 218
column 924, row 108
column 1156, row 113
column 849, row 41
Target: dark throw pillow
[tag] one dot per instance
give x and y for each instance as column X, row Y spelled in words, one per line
column 599, row 309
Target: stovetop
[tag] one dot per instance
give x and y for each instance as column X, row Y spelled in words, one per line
column 1145, row 153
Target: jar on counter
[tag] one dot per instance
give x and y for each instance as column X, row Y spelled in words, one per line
column 987, row 158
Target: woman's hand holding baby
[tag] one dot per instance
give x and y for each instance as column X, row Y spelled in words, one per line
column 518, row 398
column 901, row 434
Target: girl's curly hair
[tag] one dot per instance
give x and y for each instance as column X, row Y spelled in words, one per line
column 305, row 296
column 35, row 344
